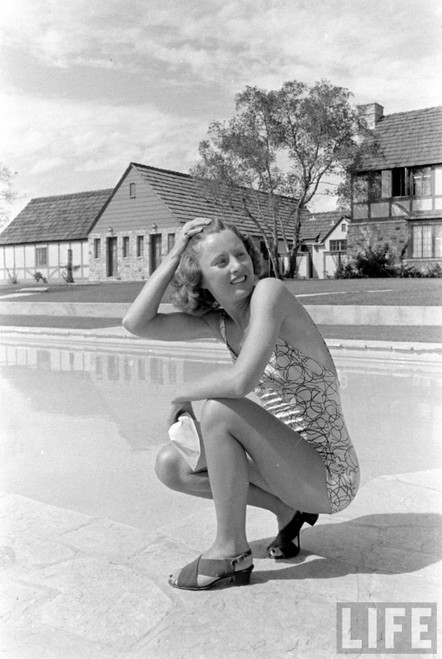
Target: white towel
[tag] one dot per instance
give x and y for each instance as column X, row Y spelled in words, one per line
column 185, row 435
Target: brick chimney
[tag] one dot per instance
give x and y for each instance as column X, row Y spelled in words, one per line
column 372, row 113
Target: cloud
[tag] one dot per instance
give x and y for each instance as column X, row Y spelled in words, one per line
column 229, row 42
column 93, row 85
column 44, row 165
column 59, row 146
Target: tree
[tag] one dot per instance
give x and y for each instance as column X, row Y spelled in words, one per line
column 280, row 145
column 7, row 193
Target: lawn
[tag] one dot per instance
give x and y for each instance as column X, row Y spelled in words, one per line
column 420, row 292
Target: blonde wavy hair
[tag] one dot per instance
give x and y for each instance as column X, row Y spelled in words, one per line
column 189, row 296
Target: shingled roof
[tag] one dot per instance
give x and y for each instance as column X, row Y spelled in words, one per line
column 408, row 139
column 64, row 217
column 317, row 227
column 187, row 197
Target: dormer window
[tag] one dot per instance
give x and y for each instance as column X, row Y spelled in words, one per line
column 132, row 190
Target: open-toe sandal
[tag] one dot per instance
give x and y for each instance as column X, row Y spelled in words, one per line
column 283, row 545
column 221, row 571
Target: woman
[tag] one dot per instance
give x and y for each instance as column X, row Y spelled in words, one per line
column 290, row 454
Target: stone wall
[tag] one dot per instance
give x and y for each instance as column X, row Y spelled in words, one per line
column 130, row 268
column 372, row 234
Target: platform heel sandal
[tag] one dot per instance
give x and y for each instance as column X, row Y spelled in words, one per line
column 220, row 571
column 283, row 545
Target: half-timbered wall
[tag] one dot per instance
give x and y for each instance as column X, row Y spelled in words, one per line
column 21, row 262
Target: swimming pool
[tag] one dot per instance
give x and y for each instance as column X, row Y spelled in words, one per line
column 82, row 420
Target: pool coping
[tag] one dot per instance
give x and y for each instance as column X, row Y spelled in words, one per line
column 325, row 314
column 117, row 337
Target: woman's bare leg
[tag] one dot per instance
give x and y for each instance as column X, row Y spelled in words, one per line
column 292, row 468
column 175, row 473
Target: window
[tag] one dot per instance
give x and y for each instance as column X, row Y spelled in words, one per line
column 338, row 245
column 132, row 190
column 170, row 241
column 140, row 246
column 125, row 246
column 437, row 229
column 343, row 227
column 399, row 182
column 427, row 241
column 41, row 256
column 97, row 248
column 421, row 181
column 438, row 180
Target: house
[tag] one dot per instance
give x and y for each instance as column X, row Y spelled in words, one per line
column 123, row 233
column 323, row 244
column 397, row 193
column 38, row 240
column 137, row 226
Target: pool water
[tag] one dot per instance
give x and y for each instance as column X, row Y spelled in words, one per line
column 81, row 424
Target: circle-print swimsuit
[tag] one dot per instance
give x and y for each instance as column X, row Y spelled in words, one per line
column 304, row 394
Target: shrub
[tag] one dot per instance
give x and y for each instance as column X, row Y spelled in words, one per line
column 375, row 262
column 432, row 271
column 346, row 270
column 381, row 261
column 39, row 277
column 405, row 270
column 370, row 262
column 12, row 277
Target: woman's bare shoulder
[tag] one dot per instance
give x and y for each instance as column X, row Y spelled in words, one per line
column 274, row 293
column 269, row 288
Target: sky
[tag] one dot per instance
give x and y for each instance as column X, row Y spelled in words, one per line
column 87, row 86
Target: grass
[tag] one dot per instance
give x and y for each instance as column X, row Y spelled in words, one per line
column 389, row 291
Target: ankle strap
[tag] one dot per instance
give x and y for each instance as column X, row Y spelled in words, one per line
column 240, row 558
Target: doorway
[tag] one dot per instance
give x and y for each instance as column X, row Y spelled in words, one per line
column 112, row 262
column 154, row 252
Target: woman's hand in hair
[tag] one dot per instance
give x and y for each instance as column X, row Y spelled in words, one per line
column 189, row 230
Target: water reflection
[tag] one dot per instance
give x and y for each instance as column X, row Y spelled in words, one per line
column 393, row 408
column 132, row 390
column 112, row 366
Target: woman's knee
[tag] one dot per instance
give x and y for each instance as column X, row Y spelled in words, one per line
column 170, row 467
column 214, row 410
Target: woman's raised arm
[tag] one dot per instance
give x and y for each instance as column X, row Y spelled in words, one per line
column 143, row 318
column 268, row 310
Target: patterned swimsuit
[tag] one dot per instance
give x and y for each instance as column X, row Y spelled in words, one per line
column 304, row 395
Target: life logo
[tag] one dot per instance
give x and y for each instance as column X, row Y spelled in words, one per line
column 387, row 628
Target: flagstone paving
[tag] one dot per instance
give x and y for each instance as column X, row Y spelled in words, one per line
column 79, row 586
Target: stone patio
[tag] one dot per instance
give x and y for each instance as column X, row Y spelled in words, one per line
column 81, row 587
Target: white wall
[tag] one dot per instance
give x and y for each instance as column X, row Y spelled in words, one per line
column 19, row 260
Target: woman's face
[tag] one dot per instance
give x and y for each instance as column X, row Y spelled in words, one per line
column 226, row 267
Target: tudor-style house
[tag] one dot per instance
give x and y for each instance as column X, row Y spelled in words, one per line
column 123, row 233
column 397, row 195
column 49, row 232
column 137, row 226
